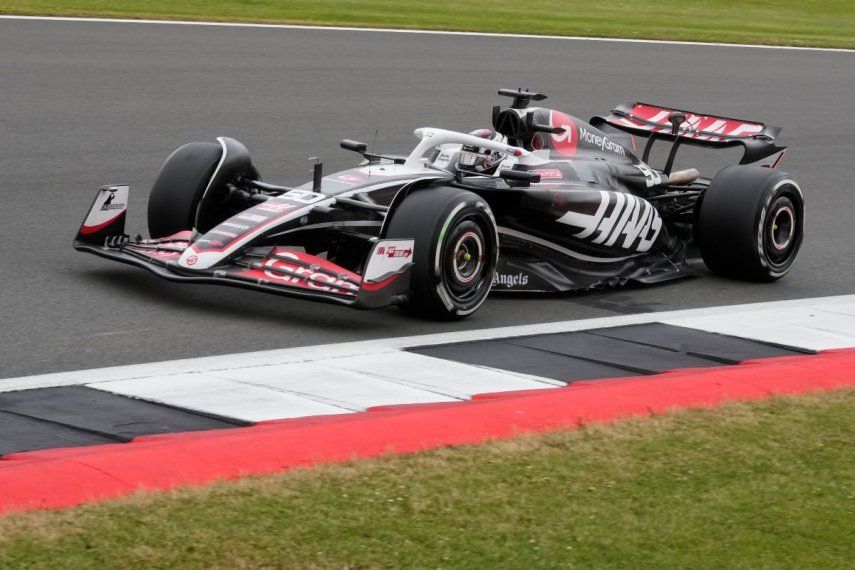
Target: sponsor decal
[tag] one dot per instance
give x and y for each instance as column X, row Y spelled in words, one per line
column 301, row 276
column 274, row 208
column 393, row 251
column 567, row 143
column 109, row 203
column 601, row 142
column 192, row 260
column 510, row 280
column 631, row 223
column 548, row 173
column 107, row 208
column 251, row 217
column 564, row 143
column 234, row 225
column 506, row 164
column 224, row 233
column 388, row 257
column 158, row 253
column 443, row 159
column 349, row 178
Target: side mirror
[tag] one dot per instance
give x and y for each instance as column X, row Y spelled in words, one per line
column 355, row 146
column 520, row 176
column 531, row 126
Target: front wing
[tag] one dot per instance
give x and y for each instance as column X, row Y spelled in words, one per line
column 272, row 269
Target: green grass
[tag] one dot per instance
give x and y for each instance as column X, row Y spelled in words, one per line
column 760, row 485
column 826, row 23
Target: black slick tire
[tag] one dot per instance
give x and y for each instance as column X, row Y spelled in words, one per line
column 751, row 223
column 455, row 253
column 178, row 189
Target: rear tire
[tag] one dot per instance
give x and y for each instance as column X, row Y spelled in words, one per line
column 178, row 189
column 456, row 250
column 751, row 223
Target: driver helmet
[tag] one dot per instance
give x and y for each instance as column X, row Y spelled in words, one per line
column 479, row 159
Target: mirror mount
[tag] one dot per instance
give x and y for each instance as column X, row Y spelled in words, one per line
column 354, row 146
column 372, row 158
column 520, row 176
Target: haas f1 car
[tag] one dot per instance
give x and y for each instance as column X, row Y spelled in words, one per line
column 542, row 202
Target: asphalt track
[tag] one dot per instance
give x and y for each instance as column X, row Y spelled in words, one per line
column 84, row 104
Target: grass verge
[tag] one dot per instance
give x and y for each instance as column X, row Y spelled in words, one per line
column 823, row 23
column 765, row 484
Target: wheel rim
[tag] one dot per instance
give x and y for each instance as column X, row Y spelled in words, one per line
column 467, row 257
column 783, row 228
column 781, row 231
column 464, row 263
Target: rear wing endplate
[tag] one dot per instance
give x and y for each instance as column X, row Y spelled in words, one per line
column 652, row 121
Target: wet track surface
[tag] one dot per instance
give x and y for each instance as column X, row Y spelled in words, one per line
column 85, row 104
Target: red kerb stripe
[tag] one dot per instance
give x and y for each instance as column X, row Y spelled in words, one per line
column 66, row 477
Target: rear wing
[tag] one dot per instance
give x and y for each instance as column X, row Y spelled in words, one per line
column 656, row 122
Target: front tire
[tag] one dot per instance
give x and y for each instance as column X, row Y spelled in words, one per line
column 456, row 250
column 178, row 188
column 192, row 192
column 751, row 223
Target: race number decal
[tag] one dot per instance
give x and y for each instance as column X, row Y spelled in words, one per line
column 651, row 178
column 303, row 197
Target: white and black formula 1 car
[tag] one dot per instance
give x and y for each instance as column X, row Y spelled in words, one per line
column 542, row 202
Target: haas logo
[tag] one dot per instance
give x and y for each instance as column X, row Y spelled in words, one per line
column 564, row 143
column 632, row 223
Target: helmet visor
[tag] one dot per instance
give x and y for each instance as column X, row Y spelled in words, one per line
column 469, row 158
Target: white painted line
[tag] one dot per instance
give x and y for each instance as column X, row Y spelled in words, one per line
column 328, row 354
column 413, row 31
